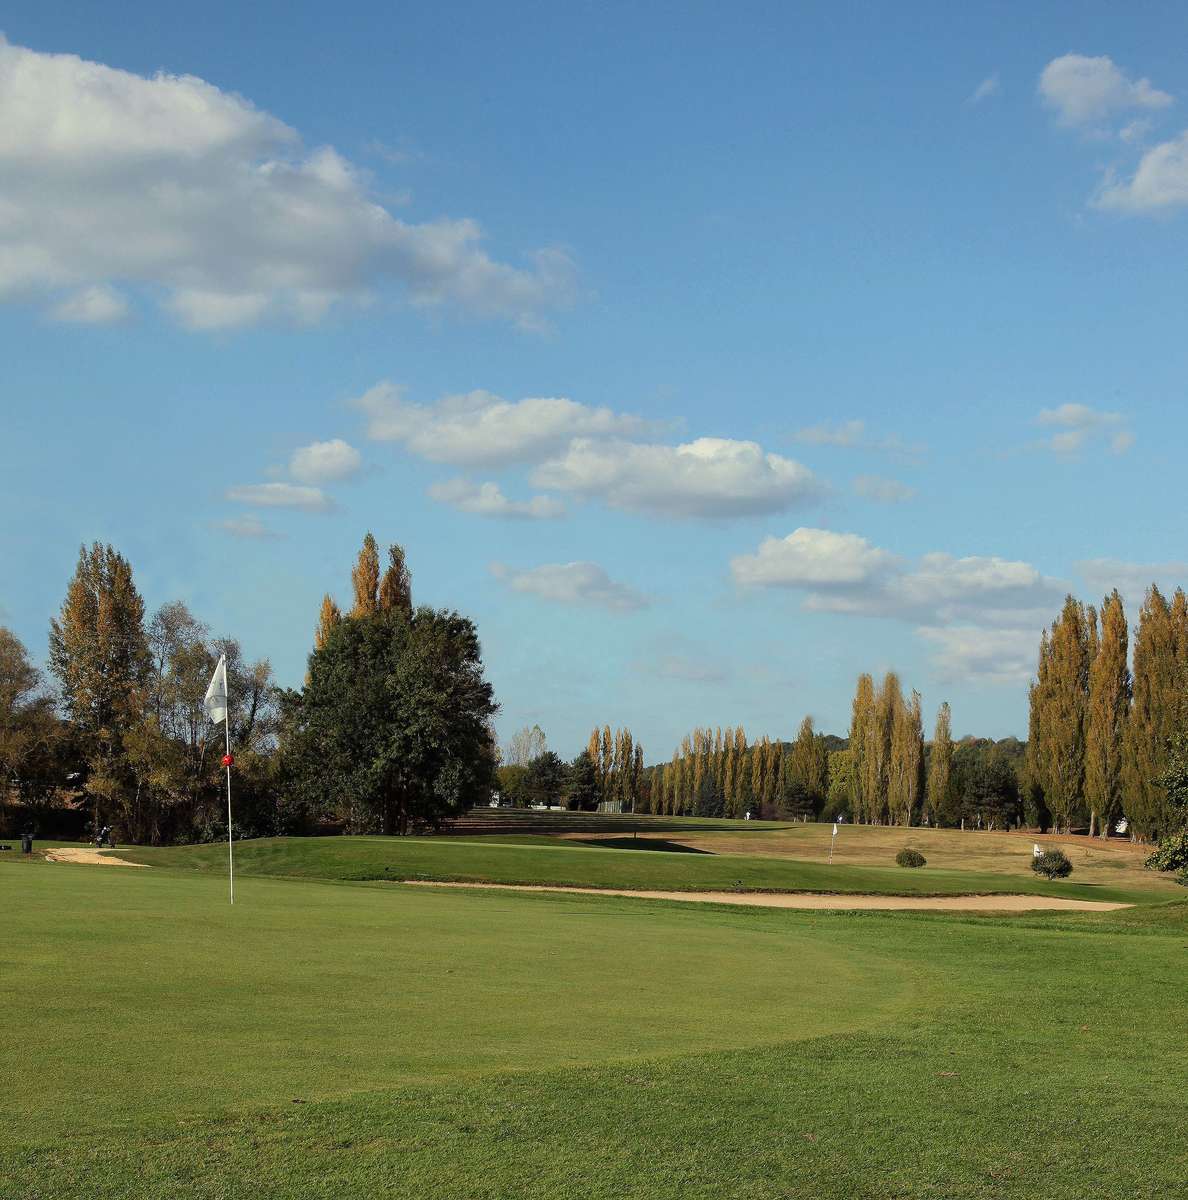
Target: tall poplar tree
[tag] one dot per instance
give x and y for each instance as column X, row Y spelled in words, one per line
column 906, row 761
column 1062, row 728
column 328, row 618
column 1155, row 714
column 862, row 713
column 395, row 589
column 940, row 765
column 1105, row 729
column 365, row 579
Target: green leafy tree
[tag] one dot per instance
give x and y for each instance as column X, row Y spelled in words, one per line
column 582, row 790
column 546, row 779
column 394, row 722
column 99, row 653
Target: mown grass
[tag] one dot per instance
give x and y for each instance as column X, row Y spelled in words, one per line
column 561, row 862
column 471, row 1046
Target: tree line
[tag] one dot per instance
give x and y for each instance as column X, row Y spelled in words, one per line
column 1102, row 722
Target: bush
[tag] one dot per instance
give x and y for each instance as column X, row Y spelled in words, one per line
column 1170, row 855
column 908, row 857
column 1052, row 864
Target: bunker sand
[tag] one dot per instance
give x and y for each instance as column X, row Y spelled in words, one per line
column 79, row 854
column 817, row 900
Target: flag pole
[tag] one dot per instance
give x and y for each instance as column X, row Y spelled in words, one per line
column 227, row 760
column 831, row 841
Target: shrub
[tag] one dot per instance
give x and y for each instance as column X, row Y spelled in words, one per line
column 908, row 857
column 1052, row 864
column 1170, row 855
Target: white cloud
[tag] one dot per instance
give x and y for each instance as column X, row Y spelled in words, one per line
column 488, row 500
column 845, row 433
column 970, row 653
column 575, row 583
column 248, row 527
column 1160, row 181
column 987, row 88
column 951, row 600
column 171, row 184
column 94, row 305
column 1083, row 90
column 281, row 495
column 325, row 462
column 1077, row 424
column 853, row 435
column 481, row 429
column 1132, row 579
column 709, row 477
column 811, row 558
column 883, row 491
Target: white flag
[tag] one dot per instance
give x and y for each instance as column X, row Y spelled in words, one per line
column 835, row 829
column 215, row 702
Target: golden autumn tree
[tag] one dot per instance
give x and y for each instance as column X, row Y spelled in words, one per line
column 1105, row 728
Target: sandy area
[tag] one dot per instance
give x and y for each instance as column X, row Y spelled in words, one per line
column 81, row 854
column 814, row 900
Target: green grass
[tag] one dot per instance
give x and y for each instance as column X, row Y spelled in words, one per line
column 472, row 1045
column 550, row 861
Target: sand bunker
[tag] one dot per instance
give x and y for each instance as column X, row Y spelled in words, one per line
column 80, row 854
column 816, row 900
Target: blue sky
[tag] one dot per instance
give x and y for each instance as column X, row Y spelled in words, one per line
column 704, row 360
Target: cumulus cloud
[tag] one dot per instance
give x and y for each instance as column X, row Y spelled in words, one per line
column 281, row 495
column 1132, row 579
column 488, row 500
column 1076, row 424
column 709, row 477
column 964, row 653
column 844, row 573
column 987, row 88
column 883, row 491
column 1160, row 181
column 169, row 183
column 1082, row 90
column 325, row 462
column 248, row 527
column 95, row 305
column 575, row 583
column 482, row 429
column 812, row 558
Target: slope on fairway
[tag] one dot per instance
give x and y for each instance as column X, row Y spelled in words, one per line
column 552, row 861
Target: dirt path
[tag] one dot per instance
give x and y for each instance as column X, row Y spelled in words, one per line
column 814, row 900
column 80, row 854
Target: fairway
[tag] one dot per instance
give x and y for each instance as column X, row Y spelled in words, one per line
column 327, row 1037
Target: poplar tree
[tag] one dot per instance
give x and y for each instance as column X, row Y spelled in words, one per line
column 1105, row 729
column 906, row 760
column 328, row 618
column 940, row 765
column 860, row 718
column 1062, row 716
column 395, row 589
column 365, row 578
column 99, row 653
column 1155, row 714
column 877, row 747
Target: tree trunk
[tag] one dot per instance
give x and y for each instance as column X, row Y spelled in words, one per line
column 1093, row 823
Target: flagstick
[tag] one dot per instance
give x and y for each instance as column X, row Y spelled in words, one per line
column 230, row 852
column 831, row 841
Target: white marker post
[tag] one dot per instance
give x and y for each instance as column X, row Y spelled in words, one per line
column 218, row 708
column 831, row 841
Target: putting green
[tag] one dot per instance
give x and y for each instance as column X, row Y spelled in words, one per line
column 139, row 995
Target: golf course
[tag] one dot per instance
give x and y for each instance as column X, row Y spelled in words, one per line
column 338, row 1032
